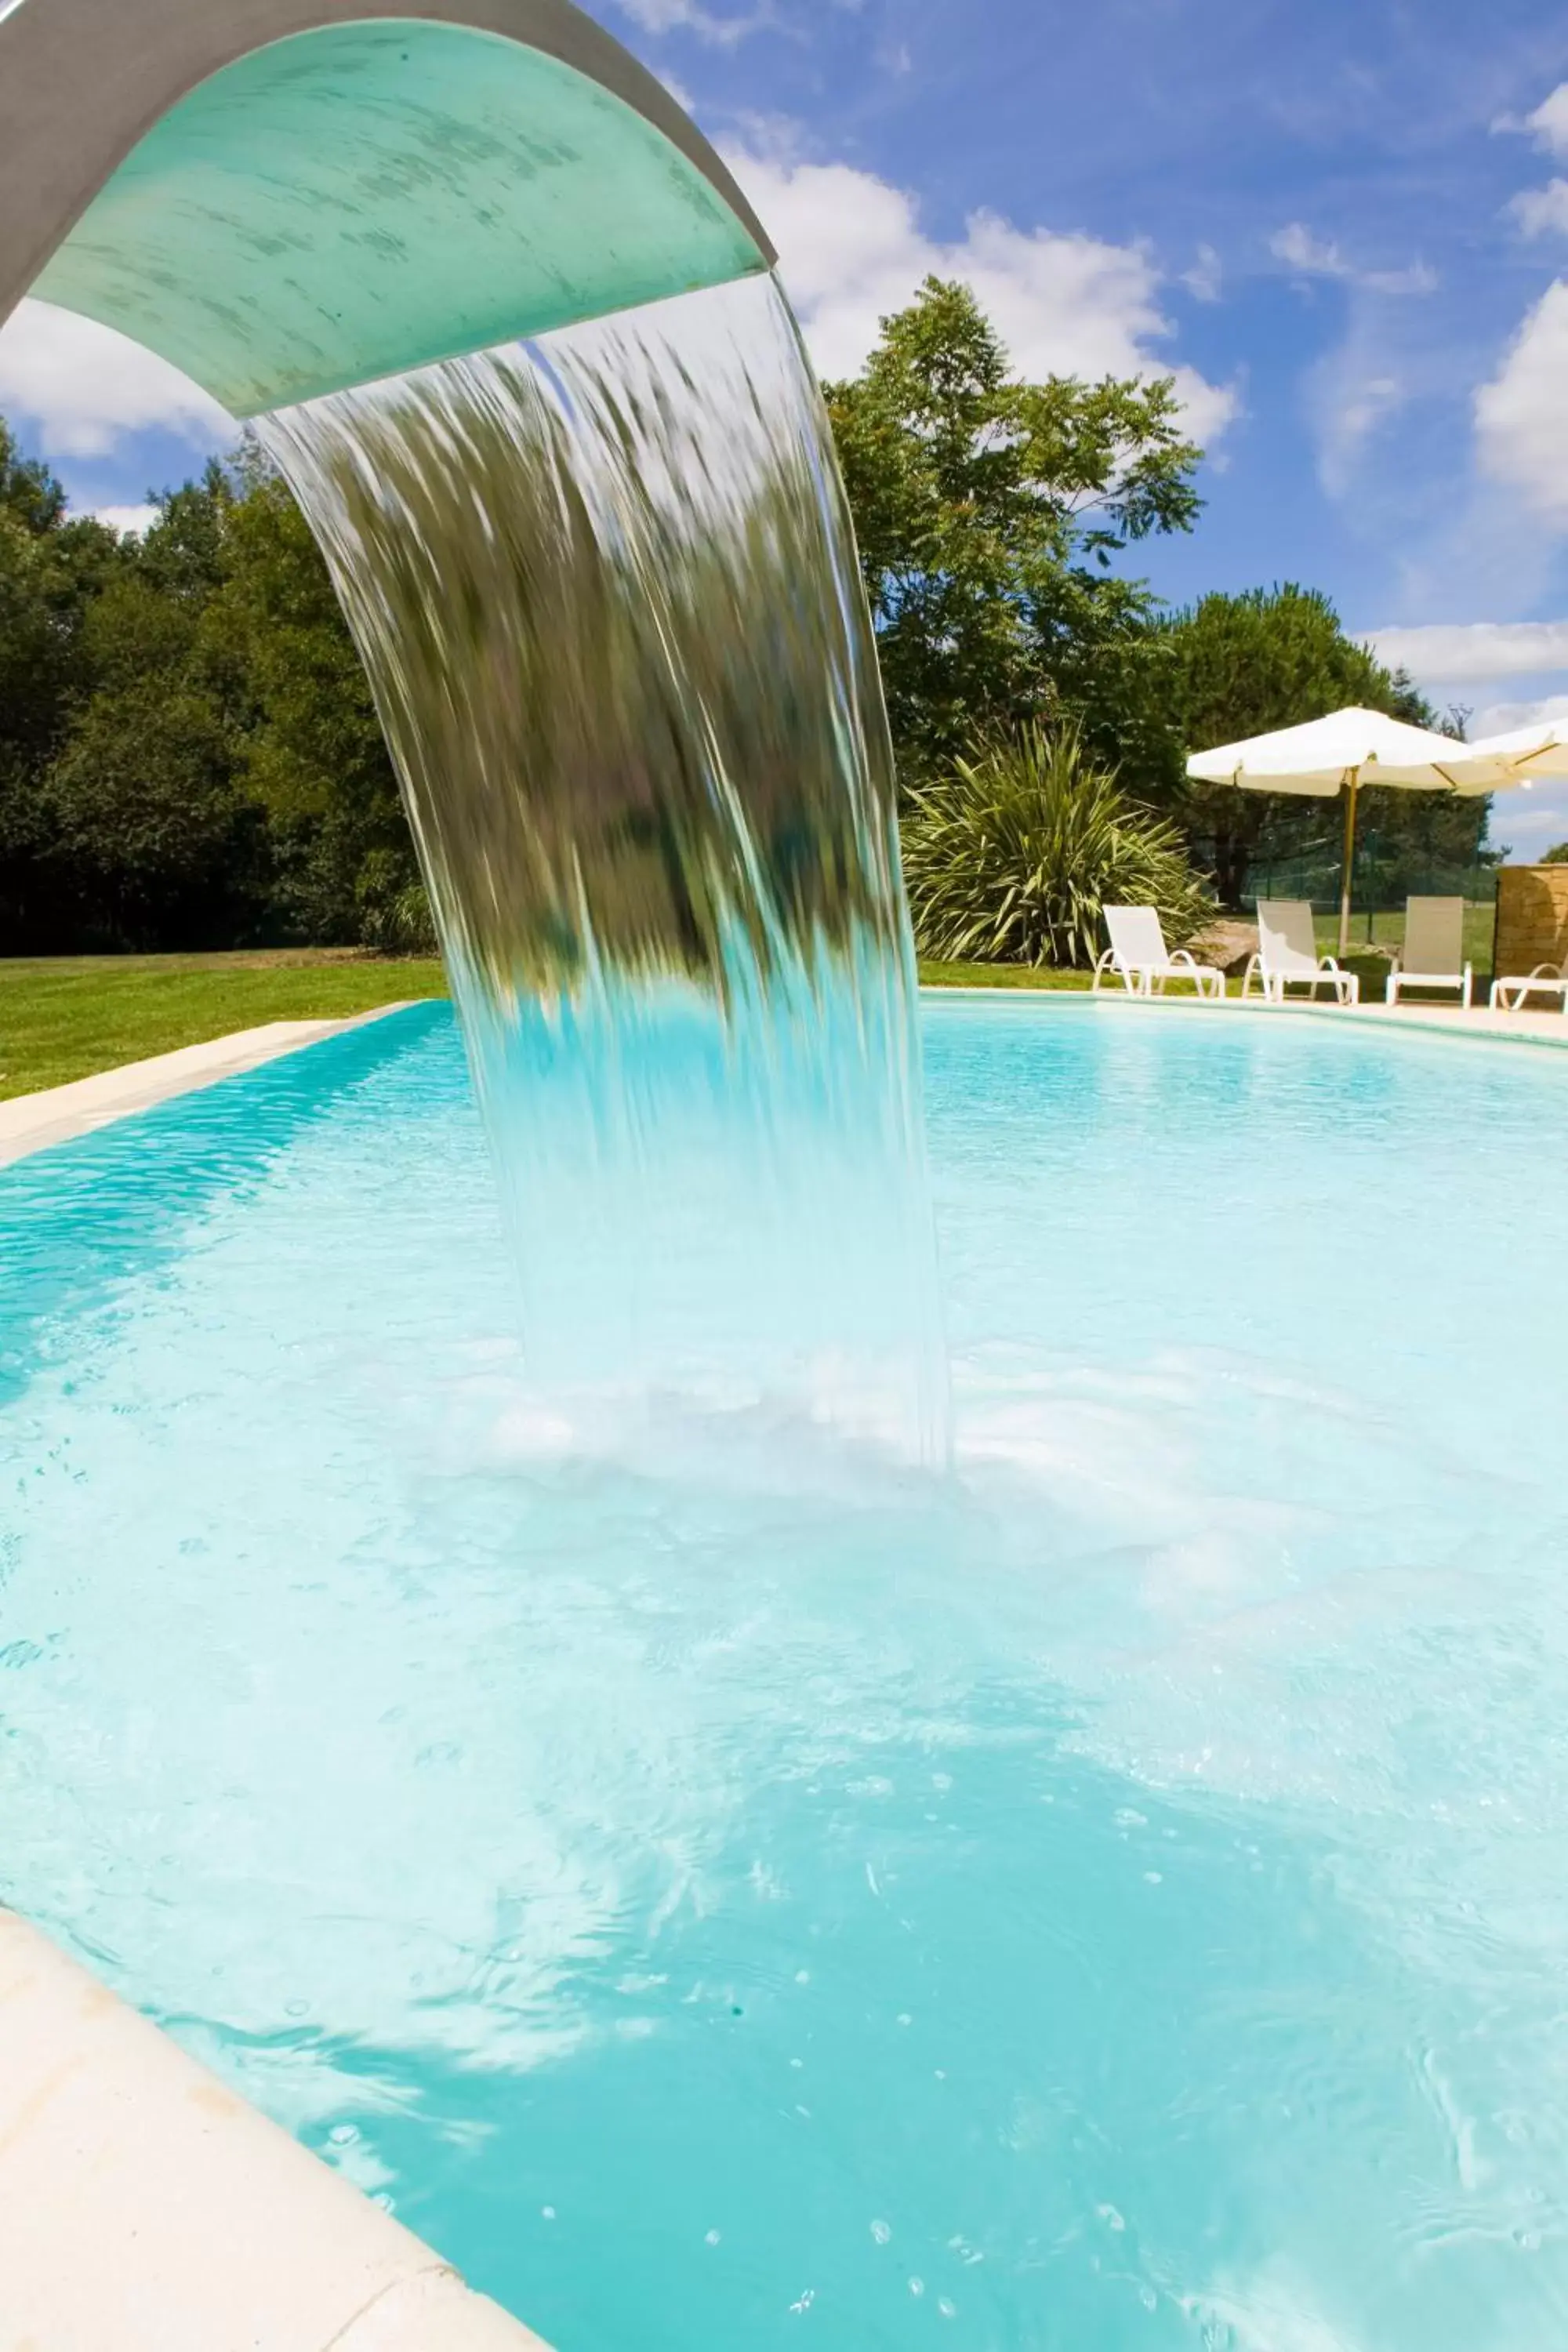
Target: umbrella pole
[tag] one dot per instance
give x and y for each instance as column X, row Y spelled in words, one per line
column 1349, row 863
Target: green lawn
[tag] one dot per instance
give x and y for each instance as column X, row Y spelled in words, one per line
column 63, row 1017
column 997, row 975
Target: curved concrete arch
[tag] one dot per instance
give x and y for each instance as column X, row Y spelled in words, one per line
column 287, row 196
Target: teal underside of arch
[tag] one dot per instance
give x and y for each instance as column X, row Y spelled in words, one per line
column 354, row 201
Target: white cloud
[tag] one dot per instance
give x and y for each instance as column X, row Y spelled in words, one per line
column 852, row 249
column 691, row 16
column 1350, row 401
column 1519, row 414
column 1295, row 246
column 1549, row 124
column 83, row 387
column 1204, row 279
column 130, row 522
column 1306, row 257
column 1353, row 391
column 1502, row 718
column 1543, row 212
column 1472, row 652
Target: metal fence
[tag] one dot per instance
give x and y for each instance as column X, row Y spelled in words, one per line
column 1378, row 886
column 1377, row 905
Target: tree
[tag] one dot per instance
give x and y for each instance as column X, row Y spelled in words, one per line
column 145, row 799
column 990, row 513
column 50, row 569
column 29, row 493
column 1242, row 665
column 1011, row 856
column 189, row 755
column 312, row 751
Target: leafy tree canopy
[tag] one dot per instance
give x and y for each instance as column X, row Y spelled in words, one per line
column 188, row 752
column 990, row 512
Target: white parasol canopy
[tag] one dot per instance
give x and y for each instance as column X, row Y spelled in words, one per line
column 1327, row 754
column 1340, row 752
column 1495, row 762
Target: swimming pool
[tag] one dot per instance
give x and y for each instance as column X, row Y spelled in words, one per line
column 728, row 1889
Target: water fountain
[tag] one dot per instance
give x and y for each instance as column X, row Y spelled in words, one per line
column 606, row 596
column 604, row 588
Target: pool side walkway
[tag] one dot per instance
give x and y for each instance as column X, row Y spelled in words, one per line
column 1445, row 1020
column 1480, row 1025
column 1453, row 1020
column 145, row 2207
column 34, row 1122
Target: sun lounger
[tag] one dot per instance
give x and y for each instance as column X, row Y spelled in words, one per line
column 1548, row 979
column 1139, row 958
column 1288, row 956
column 1433, row 955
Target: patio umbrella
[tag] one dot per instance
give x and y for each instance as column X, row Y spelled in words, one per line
column 1340, row 752
column 1495, row 762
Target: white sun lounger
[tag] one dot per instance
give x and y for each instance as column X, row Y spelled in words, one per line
column 1433, row 955
column 1550, row 979
column 1288, row 956
column 1139, row 958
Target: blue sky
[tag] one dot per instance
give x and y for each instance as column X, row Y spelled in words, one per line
column 1344, row 226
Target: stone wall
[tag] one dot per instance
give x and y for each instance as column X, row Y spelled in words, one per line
column 1531, row 917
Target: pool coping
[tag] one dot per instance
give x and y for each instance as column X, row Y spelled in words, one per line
column 1479, row 1025
column 141, row 2199
column 53, row 1114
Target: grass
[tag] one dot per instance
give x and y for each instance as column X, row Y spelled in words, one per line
column 63, row 1017
column 997, row 975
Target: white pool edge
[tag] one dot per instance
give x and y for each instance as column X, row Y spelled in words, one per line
column 1478, row 1026
column 144, row 2206
column 37, row 1122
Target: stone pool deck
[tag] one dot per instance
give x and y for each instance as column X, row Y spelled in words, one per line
column 1478, row 1024
column 34, row 1122
column 1453, row 1020
column 143, row 2204
column 1445, row 1020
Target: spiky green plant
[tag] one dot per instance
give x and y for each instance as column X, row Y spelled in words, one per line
column 1011, row 856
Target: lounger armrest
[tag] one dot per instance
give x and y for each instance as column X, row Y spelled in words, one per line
column 1183, row 965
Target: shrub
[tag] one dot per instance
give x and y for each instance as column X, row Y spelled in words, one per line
column 395, row 915
column 1011, row 856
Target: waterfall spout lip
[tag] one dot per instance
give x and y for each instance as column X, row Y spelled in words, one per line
column 529, row 176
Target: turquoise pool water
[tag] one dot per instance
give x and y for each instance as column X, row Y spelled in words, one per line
column 729, row 1889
